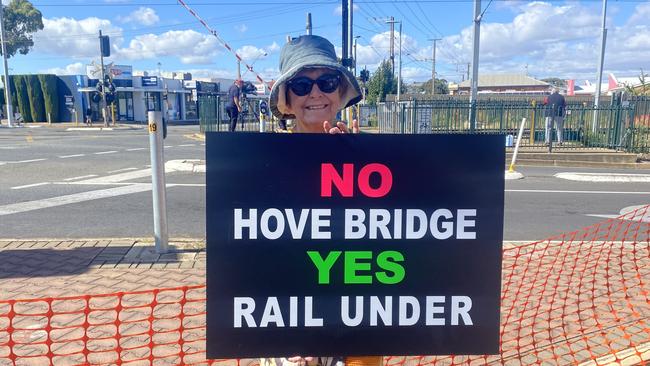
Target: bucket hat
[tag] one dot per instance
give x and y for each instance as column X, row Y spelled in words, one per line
column 308, row 52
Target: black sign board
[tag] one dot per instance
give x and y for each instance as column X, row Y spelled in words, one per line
column 326, row 245
column 149, row 81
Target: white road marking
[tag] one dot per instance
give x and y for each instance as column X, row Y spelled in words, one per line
column 80, row 177
column 632, row 213
column 136, row 149
column 105, row 152
column 71, row 156
column 186, row 145
column 72, row 198
column 604, row 177
column 30, row 185
column 202, row 144
column 122, row 170
column 572, row 192
column 25, row 161
column 89, row 129
column 167, row 146
column 121, row 177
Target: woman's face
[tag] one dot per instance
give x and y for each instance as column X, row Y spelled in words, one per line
column 317, row 106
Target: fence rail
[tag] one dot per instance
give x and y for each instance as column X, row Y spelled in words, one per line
column 614, row 126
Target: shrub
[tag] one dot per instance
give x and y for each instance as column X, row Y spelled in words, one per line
column 36, row 103
column 22, row 98
column 50, row 95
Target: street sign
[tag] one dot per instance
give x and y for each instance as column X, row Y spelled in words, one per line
column 149, row 81
column 69, row 100
column 353, row 244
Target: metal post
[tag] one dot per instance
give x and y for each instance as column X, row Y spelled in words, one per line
column 10, row 112
column 433, row 67
column 475, row 42
column 603, row 38
column 308, row 24
column 158, row 181
column 344, row 29
column 101, row 60
column 399, row 74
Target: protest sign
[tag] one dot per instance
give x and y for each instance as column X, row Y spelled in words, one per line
column 321, row 245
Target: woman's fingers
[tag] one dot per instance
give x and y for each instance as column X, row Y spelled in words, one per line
column 341, row 127
column 355, row 126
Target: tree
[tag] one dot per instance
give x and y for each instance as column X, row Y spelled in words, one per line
column 35, row 94
column 21, row 20
column 50, row 95
column 22, row 97
column 425, row 88
column 381, row 83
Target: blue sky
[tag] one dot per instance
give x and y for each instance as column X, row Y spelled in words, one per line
column 544, row 39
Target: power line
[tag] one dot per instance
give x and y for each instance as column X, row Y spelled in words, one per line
column 258, row 3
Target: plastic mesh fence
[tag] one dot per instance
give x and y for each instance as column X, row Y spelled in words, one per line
column 579, row 298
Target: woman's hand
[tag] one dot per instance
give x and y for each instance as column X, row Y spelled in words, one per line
column 341, row 127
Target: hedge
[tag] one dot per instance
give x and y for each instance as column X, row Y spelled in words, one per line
column 22, row 97
column 36, row 102
column 50, row 95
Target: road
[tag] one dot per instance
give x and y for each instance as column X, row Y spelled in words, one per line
column 60, row 183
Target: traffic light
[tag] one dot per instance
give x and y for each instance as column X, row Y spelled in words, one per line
column 105, row 45
column 364, row 75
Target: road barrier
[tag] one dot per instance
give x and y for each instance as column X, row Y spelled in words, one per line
column 581, row 298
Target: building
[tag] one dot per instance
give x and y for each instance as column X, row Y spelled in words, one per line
column 505, row 84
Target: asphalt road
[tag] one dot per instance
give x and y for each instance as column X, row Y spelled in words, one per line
column 58, row 183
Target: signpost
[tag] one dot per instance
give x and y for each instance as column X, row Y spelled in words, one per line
column 394, row 251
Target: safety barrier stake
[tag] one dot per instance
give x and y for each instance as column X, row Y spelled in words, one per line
column 158, row 181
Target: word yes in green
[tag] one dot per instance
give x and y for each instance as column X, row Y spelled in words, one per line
column 357, row 264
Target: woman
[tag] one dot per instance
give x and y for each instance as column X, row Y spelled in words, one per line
column 313, row 86
column 312, row 89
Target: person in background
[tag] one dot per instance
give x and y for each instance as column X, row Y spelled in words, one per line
column 312, row 89
column 555, row 108
column 233, row 106
column 89, row 116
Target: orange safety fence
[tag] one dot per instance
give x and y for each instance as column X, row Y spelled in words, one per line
column 581, row 298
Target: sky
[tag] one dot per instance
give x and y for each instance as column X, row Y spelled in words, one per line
column 539, row 38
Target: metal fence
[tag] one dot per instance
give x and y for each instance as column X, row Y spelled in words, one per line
column 213, row 116
column 623, row 126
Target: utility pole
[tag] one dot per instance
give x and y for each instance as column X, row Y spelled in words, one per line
column 475, row 42
column 433, row 66
column 355, row 55
column 350, row 32
column 468, row 68
column 308, row 24
column 392, row 22
column 392, row 43
column 10, row 112
column 344, row 30
column 104, row 106
column 238, row 69
column 603, row 38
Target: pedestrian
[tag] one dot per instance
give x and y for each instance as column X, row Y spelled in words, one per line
column 89, row 116
column 312, row 89
column 233, row 106
column 555, row 109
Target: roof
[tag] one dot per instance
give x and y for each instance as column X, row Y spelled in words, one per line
column 500, row 80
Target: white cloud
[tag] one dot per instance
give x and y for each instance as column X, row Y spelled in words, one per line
column 189, row 46
column 251, row 53
column 144, row 16
column 274, row 47
column 339, row 9
column 554, row 40
column 76, row 68
column 241, row 28
column 74, row 38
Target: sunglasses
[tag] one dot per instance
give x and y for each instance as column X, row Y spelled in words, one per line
column 302, row 85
